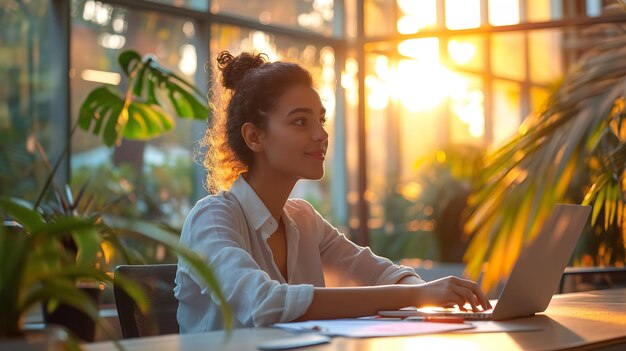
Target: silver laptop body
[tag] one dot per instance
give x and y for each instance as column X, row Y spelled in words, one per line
column 538, row 270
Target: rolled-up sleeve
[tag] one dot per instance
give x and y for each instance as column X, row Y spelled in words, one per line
column 348, row 264
column 256, row 299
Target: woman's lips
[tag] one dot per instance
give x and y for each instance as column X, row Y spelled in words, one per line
column 318, row 155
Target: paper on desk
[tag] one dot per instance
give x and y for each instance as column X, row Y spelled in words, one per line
column 354, row 328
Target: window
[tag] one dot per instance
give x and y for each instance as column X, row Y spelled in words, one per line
column 443, row 82
column 31, row 94
column 310, row 15
column 441, row 89
column 159, row 171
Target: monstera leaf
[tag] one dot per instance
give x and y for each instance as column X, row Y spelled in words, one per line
column 141, row 112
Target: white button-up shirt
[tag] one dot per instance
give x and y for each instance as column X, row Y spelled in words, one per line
column 231, row 229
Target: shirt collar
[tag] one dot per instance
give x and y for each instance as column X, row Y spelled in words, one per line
column 254, row 209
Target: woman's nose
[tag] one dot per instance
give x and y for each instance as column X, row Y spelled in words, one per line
column 320, row 134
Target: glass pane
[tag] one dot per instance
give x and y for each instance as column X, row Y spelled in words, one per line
column 503, row 12
column 320, row 60
column 380, row 17
column 597, row 8
column 543, row 10
column 426, row 49
column 28, row 84
column 377, row 97
column 405, row 124
column 200, row 5
column 160, row 171
column 350, row 85
column 467, row 52
column 506, row 110
column 507, row 55
column 416, row 16
column 350, row 17
column 594, row 8
column 545, row 52
column 462, row 14
column 467, row 111
column 313, row 15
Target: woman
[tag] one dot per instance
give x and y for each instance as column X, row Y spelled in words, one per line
column 277, row 259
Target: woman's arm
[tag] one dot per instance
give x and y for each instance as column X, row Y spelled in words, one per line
column 410, row 279
column 366, row 301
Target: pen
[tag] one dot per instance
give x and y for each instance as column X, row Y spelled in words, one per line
column 437, row 319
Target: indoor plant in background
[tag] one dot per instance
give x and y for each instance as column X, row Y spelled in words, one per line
column 573, row 150
column 35, row 261
column 37, row 266
column 422, row 217
column 138, row 113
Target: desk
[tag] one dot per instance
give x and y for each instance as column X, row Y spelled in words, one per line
column 587, row 320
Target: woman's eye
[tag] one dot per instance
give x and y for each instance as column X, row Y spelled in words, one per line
column 323, row 121
column 299, row 122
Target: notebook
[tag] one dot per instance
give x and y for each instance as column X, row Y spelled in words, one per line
column 535, row 275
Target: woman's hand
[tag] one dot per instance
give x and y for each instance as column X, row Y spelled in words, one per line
column 452, row 291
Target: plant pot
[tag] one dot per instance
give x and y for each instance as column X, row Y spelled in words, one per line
column 51, row 338
column 77, row 322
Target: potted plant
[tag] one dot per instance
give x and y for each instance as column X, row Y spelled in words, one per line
column 43, row 253
column 37, row 267
column 573, row 150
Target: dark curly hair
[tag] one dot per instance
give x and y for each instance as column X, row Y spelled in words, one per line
column 255, row 85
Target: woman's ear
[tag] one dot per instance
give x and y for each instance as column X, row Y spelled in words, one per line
column 252, row 136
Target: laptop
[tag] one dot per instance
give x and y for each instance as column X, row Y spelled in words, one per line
column 535, row 275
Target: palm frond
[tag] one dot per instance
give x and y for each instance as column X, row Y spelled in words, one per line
column 527, row 176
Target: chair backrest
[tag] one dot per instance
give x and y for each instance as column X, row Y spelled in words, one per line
column 576, row 279
column 158, row 283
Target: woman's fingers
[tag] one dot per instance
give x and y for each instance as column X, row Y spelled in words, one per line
column 453, row 290
column 467, row 295
column 482, row 298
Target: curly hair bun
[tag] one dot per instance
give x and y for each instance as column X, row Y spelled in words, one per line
column 234, row 68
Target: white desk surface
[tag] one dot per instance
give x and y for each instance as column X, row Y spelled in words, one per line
column 586, row 320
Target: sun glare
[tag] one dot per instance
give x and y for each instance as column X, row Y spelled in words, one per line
column 462, row 14
column 503, row 12
column 461, row 52
column 418, row 15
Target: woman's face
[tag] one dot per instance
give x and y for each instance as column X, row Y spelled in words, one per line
column 295, row 141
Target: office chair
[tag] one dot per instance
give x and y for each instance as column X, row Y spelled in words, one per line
column 577, row 279
column 157, row 280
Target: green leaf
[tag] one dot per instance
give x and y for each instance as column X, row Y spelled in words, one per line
column 62, row 225
column 135, row 292
column 153, row 232
column 147, row 121
column 128, row 61
column 183, row 82
column 30, row 219
column 152, row 98
column 139, row 81
column 181, row 104
column 596, row 187
column 14, row 248
column 87, row 108
column 65, row 292
column 88, row 242
column 105, row 107
column 199, row 107
column 597, row 205
column 115, row 124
